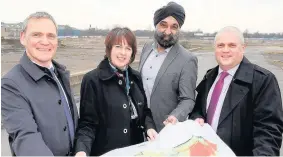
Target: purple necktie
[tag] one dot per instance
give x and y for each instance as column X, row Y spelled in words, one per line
column 215, row 96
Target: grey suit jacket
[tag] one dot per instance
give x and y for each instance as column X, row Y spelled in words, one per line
column 173, row 92
column 31, row 110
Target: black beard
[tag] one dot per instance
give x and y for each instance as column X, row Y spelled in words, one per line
column 166, row 43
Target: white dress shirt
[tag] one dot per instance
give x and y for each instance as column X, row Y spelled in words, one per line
column 228, row 79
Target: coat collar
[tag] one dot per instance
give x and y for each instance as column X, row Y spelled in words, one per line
column 35, row 72
column 244, row 72
column 106, row 72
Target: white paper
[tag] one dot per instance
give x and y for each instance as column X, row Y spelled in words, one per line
column 180, row 139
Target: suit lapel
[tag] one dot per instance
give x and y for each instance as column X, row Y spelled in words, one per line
column 235, row 94
column 210, row 78
column 238, row 88
column 169, row 58
column 146, row 52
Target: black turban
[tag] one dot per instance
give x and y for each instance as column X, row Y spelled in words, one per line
column 171, row 9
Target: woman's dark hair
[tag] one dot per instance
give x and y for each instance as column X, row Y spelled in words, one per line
column 116, row 36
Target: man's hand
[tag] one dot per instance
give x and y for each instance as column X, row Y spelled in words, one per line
column 171, row 119
column 152, row 134
column 200, row 121
column 80, row 154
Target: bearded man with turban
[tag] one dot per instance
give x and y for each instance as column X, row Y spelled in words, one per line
column 169, row 71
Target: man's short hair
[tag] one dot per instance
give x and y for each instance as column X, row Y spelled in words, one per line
column 38, row 15
column 230, row 29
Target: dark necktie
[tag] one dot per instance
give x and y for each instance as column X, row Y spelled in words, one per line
column 66, row 105
column 215, row 97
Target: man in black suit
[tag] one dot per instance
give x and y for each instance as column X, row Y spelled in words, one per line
column 240, row 100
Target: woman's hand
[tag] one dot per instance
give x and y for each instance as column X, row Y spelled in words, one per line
column 152, row 134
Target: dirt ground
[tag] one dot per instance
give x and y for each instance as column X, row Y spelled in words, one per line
column 81, row 54
column 76, row 54
column 85, row 53
column 275, row 56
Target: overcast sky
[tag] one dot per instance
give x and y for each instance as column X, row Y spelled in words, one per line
column 207, row 15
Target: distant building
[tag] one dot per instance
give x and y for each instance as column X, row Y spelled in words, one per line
column 11, row 30
column 198, row 34
column 65, row 30
column 4, row 31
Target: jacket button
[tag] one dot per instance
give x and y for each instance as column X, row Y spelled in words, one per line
column 125, row 131
column 120, row 82
column 59, row 101
column 65, row 128
column 132, row 82
column 124, row 105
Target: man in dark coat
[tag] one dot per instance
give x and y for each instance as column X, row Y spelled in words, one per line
column 240, row 100
column 38, row 108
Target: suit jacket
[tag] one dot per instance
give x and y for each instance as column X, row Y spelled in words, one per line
column 251, row 119
column 173, row 92
column 32, row 113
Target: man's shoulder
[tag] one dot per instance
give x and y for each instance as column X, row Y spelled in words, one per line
column 14, row 73
column 13, row 77
column 185, row 53
column 262, row 74
column 147, row 46
column 262, row 70
column 255, row 74
column 208, row 72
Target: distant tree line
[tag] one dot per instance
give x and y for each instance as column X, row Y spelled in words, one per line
column 69, row 31
column 262, row 35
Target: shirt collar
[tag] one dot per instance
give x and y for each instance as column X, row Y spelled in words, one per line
column 45, row 69
column 231, row 71
column 50, row 67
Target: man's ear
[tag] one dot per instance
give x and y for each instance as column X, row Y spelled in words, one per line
column 244, row 46
column 23, row 38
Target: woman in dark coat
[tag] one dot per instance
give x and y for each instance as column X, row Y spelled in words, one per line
column 113, row 108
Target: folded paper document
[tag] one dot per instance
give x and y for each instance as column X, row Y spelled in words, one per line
column 183, row 139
